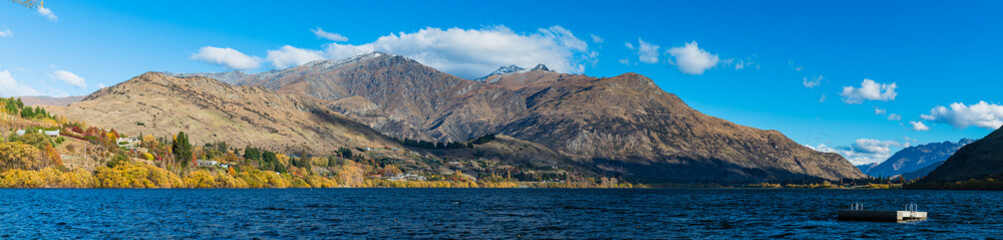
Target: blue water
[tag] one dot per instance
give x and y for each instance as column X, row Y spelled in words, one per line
column 488, row 213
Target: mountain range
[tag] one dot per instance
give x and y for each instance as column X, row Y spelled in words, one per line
column 915, row 161
column 622, row 126
column 979, row 160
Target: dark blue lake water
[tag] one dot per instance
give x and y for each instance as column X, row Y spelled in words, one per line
column 488, row 213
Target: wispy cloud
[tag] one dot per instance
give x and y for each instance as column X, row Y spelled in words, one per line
column 919, row 126
column 646, row 52
column 5, row 32
column 863, row 151
column 894, row 117
column 597, row 39
column 12, row 87
column 48, row 14
column 69, row 78
column 813, row 82
column 289, row 56
column 329, row 35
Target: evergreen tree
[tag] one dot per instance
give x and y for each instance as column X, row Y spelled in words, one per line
column 182, row 149
column 251, row 153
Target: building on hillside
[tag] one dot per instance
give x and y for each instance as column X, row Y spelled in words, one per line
column 206, row 163
column 53, row 133
column 20, row 132
column 127, row 141
column 407, row 177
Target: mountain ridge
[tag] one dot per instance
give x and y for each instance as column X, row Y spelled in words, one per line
column 623, row 125
column 914, row 158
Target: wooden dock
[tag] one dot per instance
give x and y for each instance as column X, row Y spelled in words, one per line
column 856, row 213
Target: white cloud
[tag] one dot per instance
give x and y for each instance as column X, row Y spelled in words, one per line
column 919, row 126
column 101, row 85
column 11, row 87
column 227, row 57
column 863, row 151
column 629, row 46
column 328, row 35
column 48, row 14
column 821, row 148
column 869, row 90
column 5, row 32
column 879, row 111
column 289, row 56
column 982, row 114
column 865, row 145
column 646, row 52
column 811, row 83
column 597, row 39
column 822, row 100
column 693, row 60
column 894, row 117
column 471, row 53
column 625, row 61
column 69, row 78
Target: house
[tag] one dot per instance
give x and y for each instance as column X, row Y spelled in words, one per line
column 128, row 143
column 206, row 163
column 407, row 177
column 53, row 133
column 20, row 132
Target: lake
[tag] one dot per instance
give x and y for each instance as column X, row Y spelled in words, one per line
column 487, row 213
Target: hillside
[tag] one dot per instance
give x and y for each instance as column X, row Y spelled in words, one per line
column 914, row 158
column 979, row 160
column 208, row 110
column 624, row 126
column 627, row 125
column 922, row 172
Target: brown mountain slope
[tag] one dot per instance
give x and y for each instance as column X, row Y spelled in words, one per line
column 979, row 160
column 626, row 124
column 208, row 110
column 405, row 98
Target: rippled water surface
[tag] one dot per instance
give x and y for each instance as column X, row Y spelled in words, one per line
column 488, row 213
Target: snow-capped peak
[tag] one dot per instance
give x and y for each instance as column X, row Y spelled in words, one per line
column 510, row 69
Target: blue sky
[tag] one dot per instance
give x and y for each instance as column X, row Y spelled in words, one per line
column 935, row 54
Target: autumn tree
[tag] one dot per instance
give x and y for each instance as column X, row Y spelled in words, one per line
column 17, row 155
column 28, row 3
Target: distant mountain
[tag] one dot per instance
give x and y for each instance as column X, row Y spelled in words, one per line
column 866, row 167
column 50, row 101
column 922, row 172
column 209, row 110
column 979, row 160
column 620, row 126
column 915, row 158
